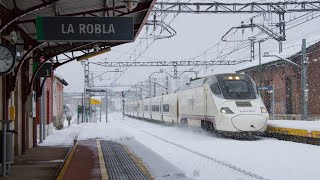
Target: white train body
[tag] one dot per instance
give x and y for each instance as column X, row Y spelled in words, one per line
column 223, row 102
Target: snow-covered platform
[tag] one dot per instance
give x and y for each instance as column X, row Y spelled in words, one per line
column 173, row 152
column 100, row 159
column 310, row 129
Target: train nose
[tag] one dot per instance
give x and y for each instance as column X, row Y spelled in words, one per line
column 249, row 122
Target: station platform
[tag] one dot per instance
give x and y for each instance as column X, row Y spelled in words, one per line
column 301, row 131
column 40, row 163
column 108, row 160
column 99, row 159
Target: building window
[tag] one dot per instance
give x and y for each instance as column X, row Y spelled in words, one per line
column 146, row 108
column 165, row 108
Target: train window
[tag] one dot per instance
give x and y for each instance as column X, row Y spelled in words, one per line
column 146, row 108
column 155, row 107
column 243, row 88
column 215, row 88
column 165, row 108
column 237, row 86
column 239, row 90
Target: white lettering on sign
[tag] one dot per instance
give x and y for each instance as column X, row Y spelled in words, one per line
column 67, row 31
column 111, row 29
column 88, row 29
column 97, row 28
column 82, row 28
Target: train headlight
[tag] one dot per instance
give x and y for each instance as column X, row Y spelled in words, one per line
column 226, row 110
column 263, row 110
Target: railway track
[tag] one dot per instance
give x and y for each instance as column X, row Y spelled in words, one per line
column 223, row 163
column 279, row 136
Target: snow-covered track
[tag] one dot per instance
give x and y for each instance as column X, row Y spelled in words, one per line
column 231, row 166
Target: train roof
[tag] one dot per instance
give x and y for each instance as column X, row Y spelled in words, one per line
column 195, row 83
column 198, row 82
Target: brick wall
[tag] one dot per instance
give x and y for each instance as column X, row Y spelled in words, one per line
column 287, row 81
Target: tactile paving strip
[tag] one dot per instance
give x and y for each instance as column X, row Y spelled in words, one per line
column 118, row 163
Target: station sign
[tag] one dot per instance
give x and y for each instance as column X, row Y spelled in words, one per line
column 95, row 90
column 85, row 29
column 44, row 71
column 265, row 88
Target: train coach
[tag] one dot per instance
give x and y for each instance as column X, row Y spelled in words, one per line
column 225, row 103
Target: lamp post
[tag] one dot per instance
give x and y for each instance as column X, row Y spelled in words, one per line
column 304, row 80
column 260, row 67
column 106, row 105
column 266, row 54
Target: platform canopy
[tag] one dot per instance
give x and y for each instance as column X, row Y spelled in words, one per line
column 20, row 16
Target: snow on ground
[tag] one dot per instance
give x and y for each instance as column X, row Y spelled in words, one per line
column 200, row 154
column 296, row 124
column 269, row 158
column 64, row 137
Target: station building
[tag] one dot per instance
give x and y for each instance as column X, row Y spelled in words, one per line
column 286, row 79
column 21, row 89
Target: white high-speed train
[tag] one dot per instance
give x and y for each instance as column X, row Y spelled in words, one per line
column 226, row 103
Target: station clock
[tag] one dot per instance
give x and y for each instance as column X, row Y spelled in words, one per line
column 7, row 60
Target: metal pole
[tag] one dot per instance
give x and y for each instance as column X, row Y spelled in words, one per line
column 273, row 101
column 86, row 85
column 304, row 80
column 154, row 87
column 100, row 109
column 41, row 116
column 106, row 105
column 175, row 76
column 260, row 68
column 175, row 71
column 78, row 113
column 44, row 112
column 167, row 84
column 252, row 49
column 89, row 108
column 150, row 88
column 83, row 109
column 4, row 148
column 123, row 107
column 84, row 106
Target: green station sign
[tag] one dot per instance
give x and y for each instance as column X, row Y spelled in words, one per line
column 85, row 29
column 44, row 71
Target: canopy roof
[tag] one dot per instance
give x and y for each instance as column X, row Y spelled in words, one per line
column 20, row 15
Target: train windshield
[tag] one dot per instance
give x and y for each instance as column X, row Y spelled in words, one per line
column 237, row 87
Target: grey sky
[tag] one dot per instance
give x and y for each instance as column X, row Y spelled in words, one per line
column 195, row 33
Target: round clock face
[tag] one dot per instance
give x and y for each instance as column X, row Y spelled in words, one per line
column 7, row 60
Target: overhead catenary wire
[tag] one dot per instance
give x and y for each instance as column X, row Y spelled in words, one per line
column 208, row 52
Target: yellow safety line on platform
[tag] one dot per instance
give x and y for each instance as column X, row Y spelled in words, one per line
column 103, row 169
column 66, row 164
column 315, row 134
column 139, row 164
column 294, row 132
